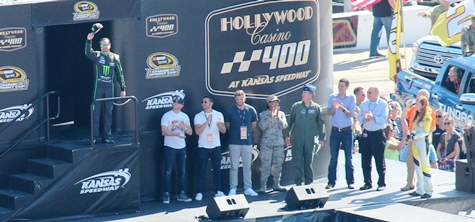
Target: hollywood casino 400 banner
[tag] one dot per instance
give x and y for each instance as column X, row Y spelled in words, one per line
column 262, row 47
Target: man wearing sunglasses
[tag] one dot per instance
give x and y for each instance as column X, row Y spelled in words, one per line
column 107, row 66
column 175, row 126
column 468, row 38
column 208, row 124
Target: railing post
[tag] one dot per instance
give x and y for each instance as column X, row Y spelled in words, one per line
column 92, row 123
column 47, row 122
column 115, row 98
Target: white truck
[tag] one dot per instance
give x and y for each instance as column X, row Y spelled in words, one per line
column 429, row 56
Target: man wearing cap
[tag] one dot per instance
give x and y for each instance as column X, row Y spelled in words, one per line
column 209, row 123
column 305, row 117
column 374, row 115
column 468, row 38
column 341, row 107
column 175, row 126
column 455, row 76
column 107, row 66
column 240, row 120
column 272, row 121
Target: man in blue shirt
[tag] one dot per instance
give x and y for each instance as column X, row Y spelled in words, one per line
column 341, row 107
column 374, row 115
column 240, row 120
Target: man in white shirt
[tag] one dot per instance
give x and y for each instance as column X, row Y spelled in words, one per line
column 175, row 126
column 208, row 124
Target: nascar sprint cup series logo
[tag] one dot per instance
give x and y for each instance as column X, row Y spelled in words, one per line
column 162, row 100
column 12, row 79
column 161, row 26
column 10, row 113
column 12, row 39
column 161, row 65
column 85, row 10
column 262, row 47
column 106, row 181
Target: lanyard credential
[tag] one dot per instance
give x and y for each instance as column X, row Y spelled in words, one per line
column 209, row 124
column 242, row 116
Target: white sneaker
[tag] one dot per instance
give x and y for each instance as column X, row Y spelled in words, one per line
column 250, row 192
column 199, row 196
column 232, row 192
column 219, row 194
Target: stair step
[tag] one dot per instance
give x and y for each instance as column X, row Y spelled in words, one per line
column 69, row 152
column 5, row 213
column 29, row 183
column 14, row 199
column 48, row 167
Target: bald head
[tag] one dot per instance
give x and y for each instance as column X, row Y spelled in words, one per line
column 373, row 93
column 423, row 92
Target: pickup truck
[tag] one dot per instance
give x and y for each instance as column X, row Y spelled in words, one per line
column 460, row 106
column 429, row 56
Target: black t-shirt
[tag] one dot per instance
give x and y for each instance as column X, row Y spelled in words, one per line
column 436, row 136
column 382, row 9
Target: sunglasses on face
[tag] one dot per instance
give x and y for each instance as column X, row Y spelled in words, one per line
column 104, row 45
column 447, row 123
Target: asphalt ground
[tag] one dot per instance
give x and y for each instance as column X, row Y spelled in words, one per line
column 356, row 66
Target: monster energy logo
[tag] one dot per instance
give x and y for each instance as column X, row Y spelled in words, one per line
column 105, row 70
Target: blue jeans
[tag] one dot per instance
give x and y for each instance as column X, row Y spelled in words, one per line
column 378, row 24
column 172, row 156
column 343, row 140
column 203, row 155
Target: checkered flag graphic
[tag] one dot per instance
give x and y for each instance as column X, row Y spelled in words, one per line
column 239, row 59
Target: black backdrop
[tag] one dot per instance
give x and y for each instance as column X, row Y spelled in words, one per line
column 184, row 34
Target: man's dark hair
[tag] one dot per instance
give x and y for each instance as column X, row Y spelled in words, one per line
column 357, row 90
column 209, row 98
column 345, row 80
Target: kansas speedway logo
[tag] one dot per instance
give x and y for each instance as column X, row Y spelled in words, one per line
column 161, row 26
column 12, row 39
column 262, row 47
column 10, row 113
column 161, row 65
column 105, row 181
column 162, row 100
column 12, row 79
column 85, row 10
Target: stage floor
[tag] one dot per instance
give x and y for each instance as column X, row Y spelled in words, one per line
column 383, row 205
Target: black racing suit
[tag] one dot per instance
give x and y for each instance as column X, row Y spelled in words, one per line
column 105, row 68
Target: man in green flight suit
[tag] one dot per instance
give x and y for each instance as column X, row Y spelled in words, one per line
column 304, row 124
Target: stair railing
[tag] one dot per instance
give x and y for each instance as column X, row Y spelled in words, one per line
column 33, row 129
column 128, row 99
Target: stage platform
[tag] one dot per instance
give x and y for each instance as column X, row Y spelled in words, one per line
column 369, row 205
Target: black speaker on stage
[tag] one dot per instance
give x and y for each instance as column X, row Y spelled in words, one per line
column 464, row 180
column 306, row 197
column 469, row 144
column 228, row 207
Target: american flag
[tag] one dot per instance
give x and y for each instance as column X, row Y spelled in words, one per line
column 359, row 4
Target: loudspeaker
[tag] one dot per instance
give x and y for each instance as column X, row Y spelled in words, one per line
column 306, row 197
column 469, row 144
column 464, row 176
column 227, row 207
